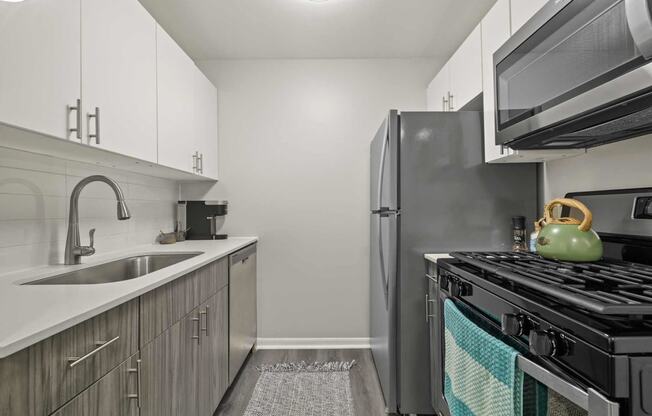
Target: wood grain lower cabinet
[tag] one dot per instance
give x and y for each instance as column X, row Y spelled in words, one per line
column 168, row 370
column 185, row 369
column 166, row 305
column 41, row 376
column 115, row 394
column 213, row 352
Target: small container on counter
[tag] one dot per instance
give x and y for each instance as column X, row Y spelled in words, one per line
column 534, row 235
column 519, row 234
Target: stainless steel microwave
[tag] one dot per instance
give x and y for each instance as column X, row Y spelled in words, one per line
column 577, row 75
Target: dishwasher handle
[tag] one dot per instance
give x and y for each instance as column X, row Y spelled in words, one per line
column 243, row 254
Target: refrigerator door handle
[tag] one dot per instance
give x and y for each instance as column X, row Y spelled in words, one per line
column 383, row 272
column 381, row 167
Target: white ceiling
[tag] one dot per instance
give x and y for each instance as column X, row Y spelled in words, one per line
column 214, row 29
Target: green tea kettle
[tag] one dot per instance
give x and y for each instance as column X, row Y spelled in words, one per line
column 567, row 238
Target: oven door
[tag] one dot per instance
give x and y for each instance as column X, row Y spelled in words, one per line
column 486, row 309
column 559, row 78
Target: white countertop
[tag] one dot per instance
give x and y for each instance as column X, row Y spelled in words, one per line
column 436, row 256
column 29, row 314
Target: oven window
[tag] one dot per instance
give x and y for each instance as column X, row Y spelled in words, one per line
column 585, row 44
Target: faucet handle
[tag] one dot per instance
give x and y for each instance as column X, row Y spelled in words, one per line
column 91, row 235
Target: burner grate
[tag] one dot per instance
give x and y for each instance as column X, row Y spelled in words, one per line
column 606, row 287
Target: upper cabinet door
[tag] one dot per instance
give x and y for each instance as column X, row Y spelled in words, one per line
column 119, row 77
column 206, row 124
column 466, row 71
column 495, row 32
column 39, row 65
column 523, row 10
column 439, row 90
column 176, row 105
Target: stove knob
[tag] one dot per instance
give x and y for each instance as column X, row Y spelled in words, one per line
column 545, row 343
column 515, row 325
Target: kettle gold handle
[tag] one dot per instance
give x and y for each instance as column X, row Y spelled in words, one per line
column 572, row 203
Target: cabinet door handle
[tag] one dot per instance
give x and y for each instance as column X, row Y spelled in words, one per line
column 205, row 313
column 444, row 104
column 136, row 370
column 428, row 302
column 197, row 337
column 78, row 119
column 95, row 116
column 201, row 163
column 450, row 101
column 75, row 361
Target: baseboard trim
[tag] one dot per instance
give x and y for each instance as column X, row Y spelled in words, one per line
column 313, row 343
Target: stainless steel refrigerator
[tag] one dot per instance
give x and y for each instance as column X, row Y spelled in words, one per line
column 431, row 192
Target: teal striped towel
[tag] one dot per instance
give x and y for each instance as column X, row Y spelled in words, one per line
column 482, row 377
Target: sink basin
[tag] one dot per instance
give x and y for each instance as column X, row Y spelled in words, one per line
column 116, row 271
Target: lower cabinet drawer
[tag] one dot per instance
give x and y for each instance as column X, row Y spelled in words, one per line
column 163, row 307
column 115, row 394
column 50, row 373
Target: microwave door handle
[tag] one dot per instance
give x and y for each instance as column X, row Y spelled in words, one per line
column 639, row 21
column 592, row 401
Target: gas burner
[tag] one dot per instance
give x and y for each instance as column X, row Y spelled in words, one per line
column 607, row 287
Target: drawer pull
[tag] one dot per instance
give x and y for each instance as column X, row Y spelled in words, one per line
column 136, row 370
column 204, row 329
column 197, row 337
column 75, row 361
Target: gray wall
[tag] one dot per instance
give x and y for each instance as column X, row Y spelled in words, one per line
column 294, row 165
column 626, row 164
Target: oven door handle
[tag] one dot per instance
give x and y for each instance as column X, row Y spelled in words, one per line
column 639, row 21
column 592, row 401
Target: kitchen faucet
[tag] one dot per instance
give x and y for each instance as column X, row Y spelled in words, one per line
column 74, row 249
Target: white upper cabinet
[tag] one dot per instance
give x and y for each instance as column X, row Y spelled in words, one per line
column 465, row 68
column 119, row 77
column 523, row 10
column 39, row 65
column 206, row 125
column 460, row 80
column 439, row 90
column 176, row 105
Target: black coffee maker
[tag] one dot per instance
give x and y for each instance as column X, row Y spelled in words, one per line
column 201, row 220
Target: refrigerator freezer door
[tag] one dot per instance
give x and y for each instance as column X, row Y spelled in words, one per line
column 384, row 166
column 384, row 235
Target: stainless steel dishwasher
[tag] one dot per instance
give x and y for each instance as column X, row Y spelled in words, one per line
column 242, row 307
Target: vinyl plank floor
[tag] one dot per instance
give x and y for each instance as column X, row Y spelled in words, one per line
column 367, row 396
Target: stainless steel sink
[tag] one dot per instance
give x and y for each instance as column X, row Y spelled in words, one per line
column 116, row 271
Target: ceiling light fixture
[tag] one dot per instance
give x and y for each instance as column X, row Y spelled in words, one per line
column 11, row 1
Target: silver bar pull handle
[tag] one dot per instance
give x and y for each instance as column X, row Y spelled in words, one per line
column 95, row 116
column 444, row 104
column 138, row 373
column 204, row 329
column 197, row 337
column 201, row 163
column 78, row 119
column 428, row 302
column 450, row 102
column 591, row 400
column 75, row 361
column 639, row 21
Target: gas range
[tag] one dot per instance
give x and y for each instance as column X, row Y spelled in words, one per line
column 586, row 325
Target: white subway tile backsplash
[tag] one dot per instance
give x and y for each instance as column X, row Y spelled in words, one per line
column 34, row 197
column 31, row 207
column 31, row 182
